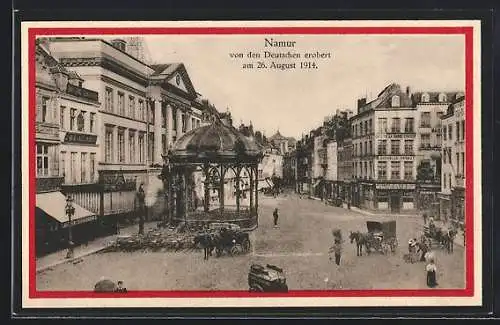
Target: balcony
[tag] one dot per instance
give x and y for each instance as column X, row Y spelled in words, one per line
column 48, row 131
column 82, row 93
column 48, row 184
column 429, row 147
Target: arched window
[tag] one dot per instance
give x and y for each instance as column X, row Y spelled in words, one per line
column 442, row 98
column 395, row 101
column 80, row 122
column 425, row 98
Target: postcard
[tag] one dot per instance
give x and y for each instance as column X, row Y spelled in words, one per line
column 251, row 163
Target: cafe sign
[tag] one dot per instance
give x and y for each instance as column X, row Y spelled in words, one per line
column 82, row 138
column 395, row 186
column 400, row 135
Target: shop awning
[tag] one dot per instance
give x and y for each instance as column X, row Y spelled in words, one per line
column 54, row 204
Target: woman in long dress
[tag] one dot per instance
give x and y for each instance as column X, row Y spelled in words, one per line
column 431, row 274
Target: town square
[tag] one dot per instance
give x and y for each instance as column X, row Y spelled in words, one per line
column 146, row 183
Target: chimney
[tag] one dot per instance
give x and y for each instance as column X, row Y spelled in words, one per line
column 119, row 44
column 361, row 102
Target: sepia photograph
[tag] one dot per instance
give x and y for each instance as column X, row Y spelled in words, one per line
column 264, row 165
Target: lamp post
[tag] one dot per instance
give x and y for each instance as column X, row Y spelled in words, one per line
column 70, row 211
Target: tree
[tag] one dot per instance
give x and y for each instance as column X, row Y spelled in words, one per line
column 425, row 172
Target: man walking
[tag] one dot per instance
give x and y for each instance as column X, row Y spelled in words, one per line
column 337, row 250
column 275, row 217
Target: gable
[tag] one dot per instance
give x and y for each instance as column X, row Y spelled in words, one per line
column 178, row 81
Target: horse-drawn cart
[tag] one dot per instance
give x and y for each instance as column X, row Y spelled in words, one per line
column 382, row 236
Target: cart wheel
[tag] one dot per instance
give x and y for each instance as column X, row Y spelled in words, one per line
column 234, row 250
column 246, row 245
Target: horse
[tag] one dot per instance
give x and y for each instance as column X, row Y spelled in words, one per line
column 207, row 242
column 361, row 240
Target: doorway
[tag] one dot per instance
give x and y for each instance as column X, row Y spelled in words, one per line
column 395, row 203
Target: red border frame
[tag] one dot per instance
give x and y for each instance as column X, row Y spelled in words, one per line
column 469, row 193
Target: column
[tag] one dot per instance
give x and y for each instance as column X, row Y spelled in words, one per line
column 157, row 131
column 207, row 188
column 221, row 188
column 136, row 145
column 238, row 187
column 189, row 122
column 169, row 126
column 179, row 124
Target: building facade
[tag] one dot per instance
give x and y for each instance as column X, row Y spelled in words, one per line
column 453, row 163
column 345, row 168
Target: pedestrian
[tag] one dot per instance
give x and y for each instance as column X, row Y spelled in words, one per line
column 425, row 218
column 431, row 271
column 337, row 250
column 275, row 217
column 423, row 249
column 120, row 287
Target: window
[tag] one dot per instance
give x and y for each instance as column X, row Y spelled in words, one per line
column 141, row 110
column 382, row 125
column 449, row 179
column 425, row 140
column 174, row 119
column 42, row 160
column 92, row 123
column 439, row 115
column 395, row 101
column 395, row 147
column 92, row 167
column 442, row 98
column 382, row 170
column 131, row 106
column 131, row 146
column 151, row 113
column 396, row 125
column 121, row 146
column 121, row 103
column 408, row 147
column 438, row 140
column 62, row 117
column 370, row 126
column 151, row 146
column 141, row 147
column 63, row 163
column 198, row 123
column 73, row 168
column 366, row 169
column 409, row 125
column 72, row 118
column 83, row 167
column 463, row 163
column 425, row 98
column 108, row 101
column 183, row 123
column 164, row 143
column 382, row 147
column 457, row 128
column 408, row 170
column 395, row 172
column 463, row 130
column 444, row 180
column 193, row 123
column 108, row 145
column 80, row 121
column 163, row 116
column 370, row 148
column 457, row 166
column 425, row 119
column 43, row 113
column 444, row 155
column 450, row 132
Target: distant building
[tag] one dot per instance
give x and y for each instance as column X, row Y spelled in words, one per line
column 453, row 167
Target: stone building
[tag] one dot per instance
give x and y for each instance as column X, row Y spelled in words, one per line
column 452, row 203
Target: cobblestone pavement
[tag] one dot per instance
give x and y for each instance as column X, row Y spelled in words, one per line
column 300, row 245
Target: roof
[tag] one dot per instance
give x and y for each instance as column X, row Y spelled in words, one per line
column 215, row 142
column 277, row 136
column 434, row 96
column 164, row 69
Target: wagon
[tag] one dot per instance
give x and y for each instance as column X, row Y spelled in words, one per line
column 268, row 278
column 382, row 236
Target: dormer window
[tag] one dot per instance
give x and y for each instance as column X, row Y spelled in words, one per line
column 442, row 98
column 425, row 98
column 458, row 95
column 395, row 101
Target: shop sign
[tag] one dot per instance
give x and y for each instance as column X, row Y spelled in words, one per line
column 396, row 157
column 80, row 138
column 400, row 135
column 395, row 186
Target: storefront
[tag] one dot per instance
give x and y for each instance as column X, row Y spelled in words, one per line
column 444, row 206
column 427, row 200
column 458, row 204
column 394, row 197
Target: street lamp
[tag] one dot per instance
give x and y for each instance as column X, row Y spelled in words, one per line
column 70, row 211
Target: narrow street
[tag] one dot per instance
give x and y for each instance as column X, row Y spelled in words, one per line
column 300, row 246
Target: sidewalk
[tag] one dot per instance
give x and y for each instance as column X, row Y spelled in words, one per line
column 56, row 258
